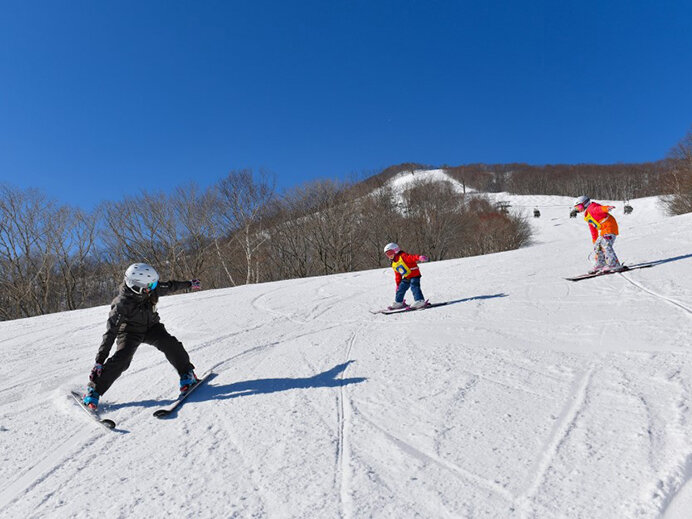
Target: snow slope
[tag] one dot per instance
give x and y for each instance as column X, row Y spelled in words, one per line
column 527, row 397
column 407, row 179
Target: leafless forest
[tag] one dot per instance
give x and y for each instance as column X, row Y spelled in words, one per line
column 241, row 230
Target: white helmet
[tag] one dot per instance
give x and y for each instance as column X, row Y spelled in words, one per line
column 392, row 246
column 140, row 276
column 583, row 200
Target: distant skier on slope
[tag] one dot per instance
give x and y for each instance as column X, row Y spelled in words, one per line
column 604, row 230
column 133, row 320
column 406, row 274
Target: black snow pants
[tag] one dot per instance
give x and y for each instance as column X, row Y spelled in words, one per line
column 127, row 344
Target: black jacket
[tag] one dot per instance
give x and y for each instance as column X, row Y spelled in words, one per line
column 133, row 313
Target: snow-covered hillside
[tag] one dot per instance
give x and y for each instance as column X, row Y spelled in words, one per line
column 403, row 181
column 527, row 396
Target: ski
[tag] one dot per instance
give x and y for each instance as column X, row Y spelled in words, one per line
column 94, row 415
column 387, row 311
column 595, row 274
column 392, row 311
column 162, row 412
column 598, row 274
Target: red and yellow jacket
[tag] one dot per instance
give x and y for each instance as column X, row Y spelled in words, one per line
column 600, row 221
column 405, row 266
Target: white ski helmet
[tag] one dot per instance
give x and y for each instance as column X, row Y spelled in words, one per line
column 140, row 276
column 583, row 200
column 393, row 247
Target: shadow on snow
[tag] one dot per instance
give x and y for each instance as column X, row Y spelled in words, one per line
column 255, row 387
column 662, row 261
column 273, row 385
column 475, row 298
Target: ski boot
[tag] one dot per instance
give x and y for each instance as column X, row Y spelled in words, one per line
column 418, row 304
column 91, row 399
column 187, row 380
column 396, row 306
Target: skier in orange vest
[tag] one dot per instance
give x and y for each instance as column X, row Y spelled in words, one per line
column 604, row 230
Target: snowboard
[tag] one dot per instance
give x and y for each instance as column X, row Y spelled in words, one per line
column 163, row 412
column 94, row 415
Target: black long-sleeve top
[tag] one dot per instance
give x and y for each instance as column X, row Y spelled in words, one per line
column 134, row 313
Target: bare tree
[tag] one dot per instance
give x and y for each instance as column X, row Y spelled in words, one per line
column 679, row 181
column 243, row 200
column 314, row 230
column 489, row 230
column 381, row 221
column 74, row 247
column 433, row 213
column 193, row 210
column 291, row 254
column 27, row 243
column 154, row 228
column 331, row 226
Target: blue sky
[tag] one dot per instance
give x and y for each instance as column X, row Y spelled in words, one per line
column 99, row 100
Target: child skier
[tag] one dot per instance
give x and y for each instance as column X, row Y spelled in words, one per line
column 604, row 230
column 133, row 320
column 407, row 275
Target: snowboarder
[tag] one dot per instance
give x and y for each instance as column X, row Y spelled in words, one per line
column 133, row 320
column 604, row 230
column 406, row 274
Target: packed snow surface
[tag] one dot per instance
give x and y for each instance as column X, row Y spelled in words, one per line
column 527, row 396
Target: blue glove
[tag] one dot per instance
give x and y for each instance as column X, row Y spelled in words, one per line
column 195, row 284
column 95, row 372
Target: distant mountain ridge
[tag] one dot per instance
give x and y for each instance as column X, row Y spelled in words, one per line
column 613, row 181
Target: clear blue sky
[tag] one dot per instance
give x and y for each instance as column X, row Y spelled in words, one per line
column 101, row 99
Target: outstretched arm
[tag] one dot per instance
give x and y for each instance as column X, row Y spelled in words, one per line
column 419, row 258
column 166, row 287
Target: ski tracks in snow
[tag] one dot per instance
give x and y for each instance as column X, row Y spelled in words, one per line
column 54, row 460
column 428, row 457
column 327, row 303
column 344, row 417
column 667, row 299
column 565, row 424
column 668, row 429
column 67, row 451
